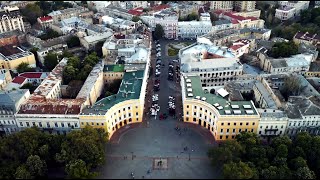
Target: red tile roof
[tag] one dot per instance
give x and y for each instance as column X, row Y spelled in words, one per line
column 234, row 21
column 136, row 11
column 160, row 7
column 240, row 18
column 31, row 75
column 19, row 80
column 45, row 18
column 235, row 47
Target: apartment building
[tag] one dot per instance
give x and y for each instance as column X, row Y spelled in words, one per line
column 45, row 21
column 5, row 78
column 193, row 29
column 244, row 5
column 89, row 42
column 303, row 114
column 167, row 19
column 290, row 9
column 240, row 22
column 306, row 38
column 272, row 123
column 214, row 65
column 224, row 5
column 12, row 56
column 11, row 19
column 224, row 119
column 10, row 102
column 60, row 15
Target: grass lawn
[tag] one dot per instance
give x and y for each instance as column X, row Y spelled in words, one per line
column 173, row 52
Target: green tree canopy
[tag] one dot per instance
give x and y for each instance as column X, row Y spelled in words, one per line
column 77, row 169
column 31, row 12
column 73, row 41
column 158, row 32
column 69, row 74
column 238, row 170
column 50, row 61
column 22, row 173
column 24, row 67
column 283, row 49
column 135, row 18
column 36, row 166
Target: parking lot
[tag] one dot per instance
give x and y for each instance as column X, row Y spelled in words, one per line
column 136, row 149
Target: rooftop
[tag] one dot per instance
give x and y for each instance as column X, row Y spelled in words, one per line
column 129, row 89
column 306, row 36
column 45, row 18
column 34, row 75
column 225, row 106
column 98, row 37
column 299, row 106
column 19, row 80
column 266, row 95
column 113, row 68
column 11, row 97
column 9, row 50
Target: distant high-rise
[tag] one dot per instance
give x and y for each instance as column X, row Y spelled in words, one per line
column 10, row 20
column 225, row 5
column 244, row 5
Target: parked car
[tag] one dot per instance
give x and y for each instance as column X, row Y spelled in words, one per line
column 175, row 60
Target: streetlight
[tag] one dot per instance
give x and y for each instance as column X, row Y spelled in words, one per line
column 189, row 156
column 132, row 155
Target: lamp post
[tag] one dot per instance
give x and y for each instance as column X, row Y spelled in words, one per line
column 132, row 155
column 189, row 156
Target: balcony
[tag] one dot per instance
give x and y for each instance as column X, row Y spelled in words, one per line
column 270, row 135
column 271, row 129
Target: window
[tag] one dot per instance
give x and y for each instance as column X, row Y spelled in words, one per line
column 21, row 124
column 227, row 130
column 247, row 124
column 195, row 113
column 82, row 123
column 92, row 123
column 87, row 123
column 227, row 137
column 128, row 108
column 280, row 132
column 62, row 124
column 221, row 130
column 69, row 125
column 228, row 124
column 220, row 137
column 240, row 124
column 282, row 126
column 246, row 130
column 195, row 107
column 251, row 130
column 239, row 130
column 27, row 124
column 235, row 124
column 40, row 124
column 97, row 124
column 233, row 130
column 124, row 109
column 129, row 114
column 56, row 124
column 187, row 119
column 253, row 124
column 187, row 112
column 75, row 124
column 33, row 124
column 137, row 113
column 232, row 137
column 259, row 132
column 130, row 120
column 205, row 110
column 137, row 119
column 187, row 106
column 222, row 124
column 194, row 119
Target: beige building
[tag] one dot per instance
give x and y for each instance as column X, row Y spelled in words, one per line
column 254, row 13
column 59, row 15
column 11, row 57
column 89, row 42
column 224, row 119
column 113, row 72
column 225, row 5
column 306, row 38
column 5, row 78
column 11, row 19
column 244, row 5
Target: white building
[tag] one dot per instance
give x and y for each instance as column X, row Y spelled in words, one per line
column 303, row 114
column 240, row 47
column 214, row 65
column 11, row 19
column 89, row 42
column 221, row 25
column 272, row 123
column 193, row 29
column 225, row 5
column 290, row 9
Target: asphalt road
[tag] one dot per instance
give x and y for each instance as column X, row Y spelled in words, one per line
column 134, row 148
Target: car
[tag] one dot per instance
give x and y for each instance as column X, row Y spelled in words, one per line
column 175, row 60
column 158, row 65
column 158, row 55
column 158, row 45
column 170, row 66
column 158, row 62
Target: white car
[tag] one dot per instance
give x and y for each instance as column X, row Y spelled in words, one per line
column 175, row 60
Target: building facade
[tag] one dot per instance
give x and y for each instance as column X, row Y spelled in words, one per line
column 290, row 9
column 11, row 57
column 193, row 29
column 11, row 19
column 225, row 5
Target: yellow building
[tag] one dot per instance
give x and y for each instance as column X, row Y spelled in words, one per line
column 224, row 119
column 113, row 72
column 118, row 110
column 12, row 56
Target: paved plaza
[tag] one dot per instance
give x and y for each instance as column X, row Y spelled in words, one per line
column 139, row 148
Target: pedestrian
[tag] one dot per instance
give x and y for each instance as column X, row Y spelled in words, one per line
column 142, row 177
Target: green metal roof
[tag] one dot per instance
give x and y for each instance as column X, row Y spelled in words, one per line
column 113, row 68
column 130, row 88
column 213, row 98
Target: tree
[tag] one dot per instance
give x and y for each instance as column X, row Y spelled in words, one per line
column 23, row 67
column 31, row 12
column 69, row 74
column 158, row 32
column 297, row 163
column 36, row 166
column 49, row 34
column 239, row 170
column 192, row 16
column 292, row 86
column 73, row 41
column 77, row 169
column 29, row 86
column 65, row 54
column 269, row 173
column 226, row 152
column 22, row 173
column 98, row 48
column 74, row 62
column 304, row 173
column 283, row 49
column 135, row 18
column 305, row 16
column 50, row 61
column 108, row 93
